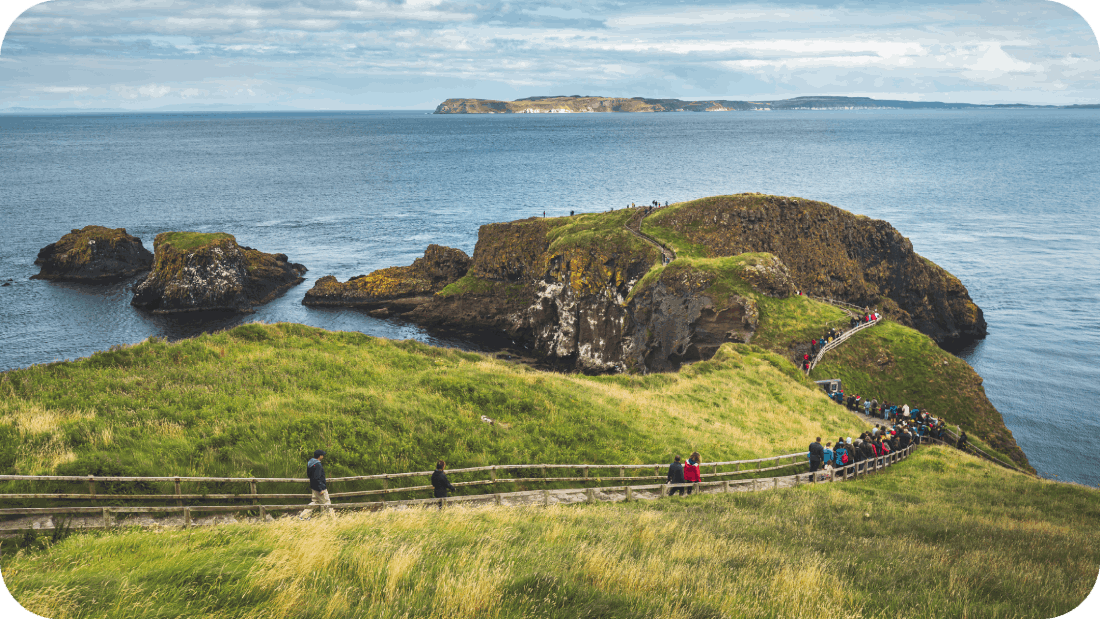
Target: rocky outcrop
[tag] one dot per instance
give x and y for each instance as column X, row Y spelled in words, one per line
column 93, row 254
column 833, row 253
column 427, row 275
column 202, row 272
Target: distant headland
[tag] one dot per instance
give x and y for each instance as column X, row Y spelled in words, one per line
column 579, row 103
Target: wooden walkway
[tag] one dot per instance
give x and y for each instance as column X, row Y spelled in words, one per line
column 113, row 515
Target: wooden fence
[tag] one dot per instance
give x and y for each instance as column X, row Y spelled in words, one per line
column 107, row 516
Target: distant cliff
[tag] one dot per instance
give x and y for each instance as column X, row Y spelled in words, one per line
column 580, row 104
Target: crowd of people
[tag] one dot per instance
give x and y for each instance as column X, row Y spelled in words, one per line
column 882, row 440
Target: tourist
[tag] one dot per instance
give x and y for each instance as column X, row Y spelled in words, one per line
column 570, row 213
column 816, row 455
column 440, row 483
column 675, row 476
column 315, row 471
column 962, row 442
column 841, row 455
column 829, row 455
column 691, row 470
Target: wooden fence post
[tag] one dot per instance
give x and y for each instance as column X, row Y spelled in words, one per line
column 586, row 471
column 106, row 518
column 754, row 485
column 179, row 500
column 263, row 514
column 252, row 489
column 622, row 472
column 590, row 495
column 493, row 475
column 91, row 486
column 726, row 486
column 186, row 516
column 497, row 499
column 629, row 493
column 546, row 498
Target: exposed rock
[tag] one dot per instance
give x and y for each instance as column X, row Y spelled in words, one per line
column 427, row 275
column 93, row 254
column 833, row 253
column 198, row 272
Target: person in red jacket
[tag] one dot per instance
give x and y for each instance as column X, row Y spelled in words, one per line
column 691, row 470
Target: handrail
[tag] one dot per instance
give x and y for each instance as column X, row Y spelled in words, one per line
column 381, row 476
column 566, row 495
column 839, row 340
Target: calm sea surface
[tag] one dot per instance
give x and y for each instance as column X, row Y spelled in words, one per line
column 1006, row 200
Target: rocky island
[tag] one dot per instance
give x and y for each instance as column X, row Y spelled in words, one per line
column 582, row 104
column 93, row 254
column 395, row 288
column 195, row 271
column 592, row 292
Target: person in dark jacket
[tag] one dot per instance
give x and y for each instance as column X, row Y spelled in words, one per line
column 440, row 483
column 961, row 444
column 315, row 471
column 817, row 455
column 676, row 476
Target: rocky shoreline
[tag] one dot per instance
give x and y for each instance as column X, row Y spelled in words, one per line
column 93, row 254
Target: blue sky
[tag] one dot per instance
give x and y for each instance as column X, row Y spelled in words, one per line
column 378, row 54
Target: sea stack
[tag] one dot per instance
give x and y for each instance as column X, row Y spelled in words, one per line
column 196, row 271
column 93, row 254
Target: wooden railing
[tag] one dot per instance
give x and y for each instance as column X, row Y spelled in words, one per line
column 839, row 340
column 106, row 516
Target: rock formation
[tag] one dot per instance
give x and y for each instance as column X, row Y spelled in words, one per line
column 93, row 254
column 429, row 274
column 196, row 271
column 835, row 254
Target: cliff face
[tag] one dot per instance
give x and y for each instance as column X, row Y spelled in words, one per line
column 830, row 253
column 198, row 272
column 93, row 254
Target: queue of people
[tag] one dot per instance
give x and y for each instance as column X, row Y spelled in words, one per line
column 880, row 441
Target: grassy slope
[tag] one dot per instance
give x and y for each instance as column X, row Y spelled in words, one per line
column 890, row 362
column 940, row 535
column 254, row 401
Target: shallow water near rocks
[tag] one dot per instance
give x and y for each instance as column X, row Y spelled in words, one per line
column 1004, row 199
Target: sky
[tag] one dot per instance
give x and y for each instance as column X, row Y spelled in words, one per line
column 413, row 54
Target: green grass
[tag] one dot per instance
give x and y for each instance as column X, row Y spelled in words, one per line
column 256, row 400
column 901, row 365
column 939, row 535
column 594, row 230
column 188, row 241
column 474, row 285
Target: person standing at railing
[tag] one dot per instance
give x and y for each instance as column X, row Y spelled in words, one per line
column 841, row 455
column 675, row 476
column 962, row 442
column 440, row 484
column 315, row 471
column 816, row 455
column 691, row 470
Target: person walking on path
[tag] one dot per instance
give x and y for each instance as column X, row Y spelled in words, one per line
column 440, row 484
column 816, row 455
column 962, row 442
column 691, row 470
column 315, row 471
column 676, row 476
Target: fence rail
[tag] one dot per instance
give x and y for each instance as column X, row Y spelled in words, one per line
column 107, row 516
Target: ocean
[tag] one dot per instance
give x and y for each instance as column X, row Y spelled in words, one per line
column 1004, row 199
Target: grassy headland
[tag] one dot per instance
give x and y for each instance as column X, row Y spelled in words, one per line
column 939, row 535
column 255, row 400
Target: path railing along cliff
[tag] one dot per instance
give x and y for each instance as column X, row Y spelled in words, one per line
column 106, row 516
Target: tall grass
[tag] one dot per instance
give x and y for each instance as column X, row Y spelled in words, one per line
column 257, row 400
column 939, row 535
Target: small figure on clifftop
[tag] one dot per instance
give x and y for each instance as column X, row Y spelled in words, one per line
column 962, row 443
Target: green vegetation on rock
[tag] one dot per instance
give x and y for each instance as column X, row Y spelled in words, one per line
column 189, row 241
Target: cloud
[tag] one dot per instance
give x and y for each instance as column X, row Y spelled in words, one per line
column 391, row 53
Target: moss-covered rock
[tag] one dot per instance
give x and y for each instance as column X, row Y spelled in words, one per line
column 830, row 253
column 196, row 271
column 93, row 254
column 427, row 275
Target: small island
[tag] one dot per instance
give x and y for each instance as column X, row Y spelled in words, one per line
column 197, row 271
column 587, row 104
column 93, row 254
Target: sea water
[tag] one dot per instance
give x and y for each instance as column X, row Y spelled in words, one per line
column 1004, row 199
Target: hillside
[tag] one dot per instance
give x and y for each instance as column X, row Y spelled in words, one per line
column 255, row 400
column 939, row 535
